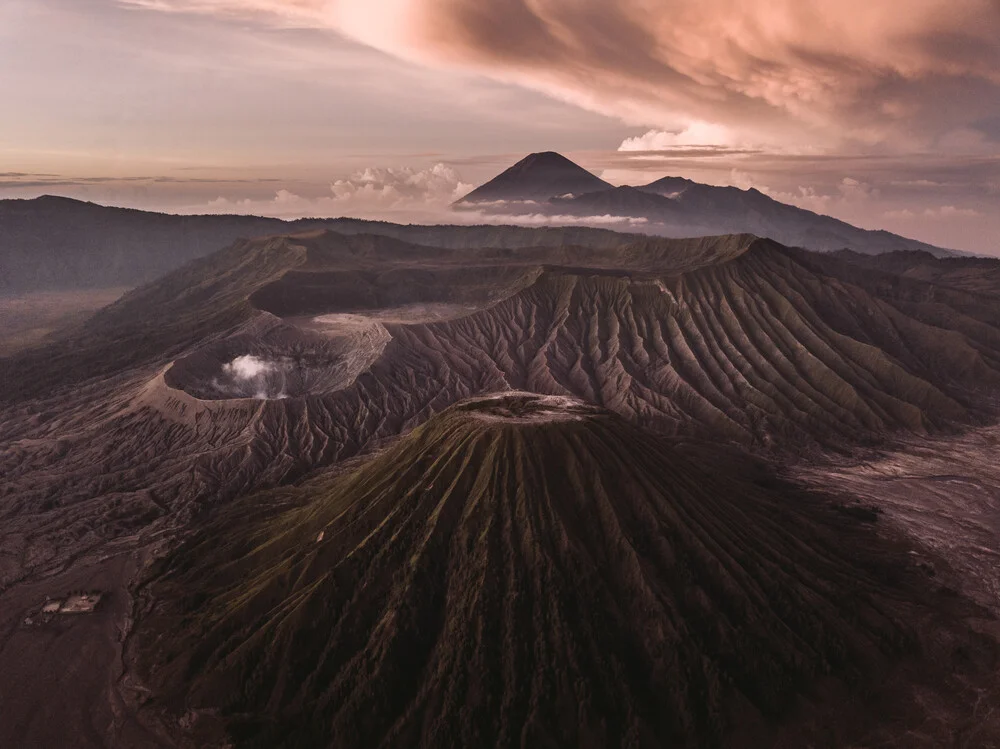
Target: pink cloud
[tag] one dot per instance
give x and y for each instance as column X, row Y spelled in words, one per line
column 762, row 71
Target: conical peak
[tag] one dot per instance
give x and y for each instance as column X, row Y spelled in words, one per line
column 549, row 164
column 547, row 159
column 539, row 176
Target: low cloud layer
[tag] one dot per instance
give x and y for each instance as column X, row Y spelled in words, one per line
column 606, row 220
column 398, row 194
column 781, row 72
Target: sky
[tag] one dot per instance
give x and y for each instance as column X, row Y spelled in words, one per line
column 881, row 113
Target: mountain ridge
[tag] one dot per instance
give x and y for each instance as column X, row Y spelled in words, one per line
column 683, row 207
column 57, row 243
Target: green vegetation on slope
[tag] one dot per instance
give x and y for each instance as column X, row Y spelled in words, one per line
column 519, row 571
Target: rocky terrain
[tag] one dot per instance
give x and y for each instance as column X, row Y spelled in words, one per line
column 268, row 465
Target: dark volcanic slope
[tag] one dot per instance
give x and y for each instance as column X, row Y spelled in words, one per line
column 521, row 571
column 537, row 177
column 58, row 243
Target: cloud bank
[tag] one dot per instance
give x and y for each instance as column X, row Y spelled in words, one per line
column 393, row 188
column 801, row 72
column 395, row 193
column 403, row 195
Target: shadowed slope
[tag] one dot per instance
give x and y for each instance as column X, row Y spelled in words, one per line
column 978, row 275
column 520, row 571
column 61, row 243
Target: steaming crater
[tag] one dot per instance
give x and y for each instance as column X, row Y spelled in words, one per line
column 278, row 363
column 250, row 376
column 277, row 358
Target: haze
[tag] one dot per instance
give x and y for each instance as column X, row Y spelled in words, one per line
column 394, row 108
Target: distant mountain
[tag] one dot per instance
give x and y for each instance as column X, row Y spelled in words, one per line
column 60, row 243
column 539, row 176
column 622, row 201
column 730, row 209
column 678, row 207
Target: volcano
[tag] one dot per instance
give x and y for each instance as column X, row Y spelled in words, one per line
column 214, row 409
column 522, row 570
column 550, row 184
column 538, row 177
